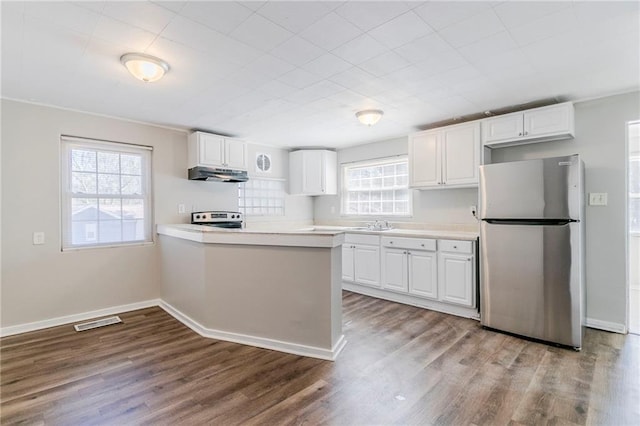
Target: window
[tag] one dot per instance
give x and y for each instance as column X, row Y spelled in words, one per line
column 106, row 193
column 261, row 197
column 379, row 188
column 634, row 178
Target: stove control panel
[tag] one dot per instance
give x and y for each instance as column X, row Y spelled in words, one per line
column 215, row 216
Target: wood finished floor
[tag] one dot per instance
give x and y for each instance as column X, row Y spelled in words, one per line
column 402, row 365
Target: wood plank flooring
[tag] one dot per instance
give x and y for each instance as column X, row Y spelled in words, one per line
column 402, row 365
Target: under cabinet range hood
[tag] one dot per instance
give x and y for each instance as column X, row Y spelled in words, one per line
column 217, row 174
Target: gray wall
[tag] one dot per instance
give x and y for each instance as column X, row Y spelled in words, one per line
column 601, row 141
column 40, row 282
column 440, row 207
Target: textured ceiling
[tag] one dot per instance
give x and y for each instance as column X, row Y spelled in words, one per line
column 294, row 73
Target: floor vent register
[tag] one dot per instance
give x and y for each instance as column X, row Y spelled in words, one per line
column 97, row 323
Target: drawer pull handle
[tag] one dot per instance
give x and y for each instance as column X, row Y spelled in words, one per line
column 422, row 245
column 455, row 247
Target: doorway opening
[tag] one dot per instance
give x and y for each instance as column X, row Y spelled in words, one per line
column 633, row 239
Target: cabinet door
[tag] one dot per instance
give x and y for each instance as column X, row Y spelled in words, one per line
column 210, row 150
column 425, row 159
column 461, row 154
column 394, row 269
column 423, row 276
column 313, row 173
column 455, row 278
column 347, row 262
column 236, row 154
column 551, row 120
column 506, row 127
column 367, row 265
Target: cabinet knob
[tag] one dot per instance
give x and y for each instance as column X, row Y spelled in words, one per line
column 526, row 133
column 422, row 245
column 390, row 242
column 469, row 259
column 520, row 134
column 404, row 252
column 455, row 247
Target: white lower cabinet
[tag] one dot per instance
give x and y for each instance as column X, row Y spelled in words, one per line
column 409, row 265
column 437, row 274
column 455, row 278
column 456, row 272
column 423, row 274
column 361, row 259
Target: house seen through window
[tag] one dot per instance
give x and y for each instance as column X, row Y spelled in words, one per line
column 106, row 198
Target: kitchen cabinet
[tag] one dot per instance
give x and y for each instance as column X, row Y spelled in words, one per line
column 313, row 172
column 409, row 265
column 446, row 157
column 209, row 150
column 548, row 123
column 456, row 272
column 361, row 259
column 434, row 274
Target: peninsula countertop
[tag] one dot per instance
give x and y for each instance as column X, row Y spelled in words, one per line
column 311, row 236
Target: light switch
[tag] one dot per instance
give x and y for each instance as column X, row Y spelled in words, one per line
column 181, row 208
column 597, row 198
column 38, row 238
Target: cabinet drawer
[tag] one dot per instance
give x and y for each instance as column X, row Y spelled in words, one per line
column 409, row 243
column 362, row 239
column 455, row 246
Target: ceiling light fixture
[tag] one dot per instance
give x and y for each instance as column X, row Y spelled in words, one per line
column 144, row 67
column 369, row 116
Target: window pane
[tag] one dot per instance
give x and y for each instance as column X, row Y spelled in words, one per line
column 108, row 162
column 634, row 176
column 83, row 183
column 84, row 209
column 84, row 161
column 132, row 209
column 110, row 231
column 108, row 184
column 84, row 232
column 131, row 184
column 634, row 214
column 131, row 164
column 132, row 230
column 109, row 209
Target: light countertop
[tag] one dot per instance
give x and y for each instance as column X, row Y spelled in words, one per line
column 312, row 236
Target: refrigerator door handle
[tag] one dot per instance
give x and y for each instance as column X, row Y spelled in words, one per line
column 532, row 222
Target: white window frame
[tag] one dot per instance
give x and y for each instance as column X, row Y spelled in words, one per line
column 270, row 202
column 373, row 163
column 69, row 143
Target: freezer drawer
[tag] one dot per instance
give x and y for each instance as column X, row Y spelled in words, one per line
column 530, row 280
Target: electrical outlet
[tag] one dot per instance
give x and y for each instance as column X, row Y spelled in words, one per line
column 181, row 208
column 598, row 199
column 38, row 238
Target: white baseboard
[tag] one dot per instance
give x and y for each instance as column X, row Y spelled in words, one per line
column 260, row 342
column 606, row 325
column 54, row 322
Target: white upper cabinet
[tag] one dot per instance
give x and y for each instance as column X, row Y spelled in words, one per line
column 313, row 172
column 543, row 124
column 209, row 150
column 445, row 157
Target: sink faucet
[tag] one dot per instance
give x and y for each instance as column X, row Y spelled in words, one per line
column 379, row 225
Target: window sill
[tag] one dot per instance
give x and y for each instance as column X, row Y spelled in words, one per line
column 107, row 246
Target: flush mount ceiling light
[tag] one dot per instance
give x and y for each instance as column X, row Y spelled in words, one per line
column 369, row 116
column 144, row 67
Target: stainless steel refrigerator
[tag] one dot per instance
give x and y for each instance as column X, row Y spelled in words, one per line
column 532, row 248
